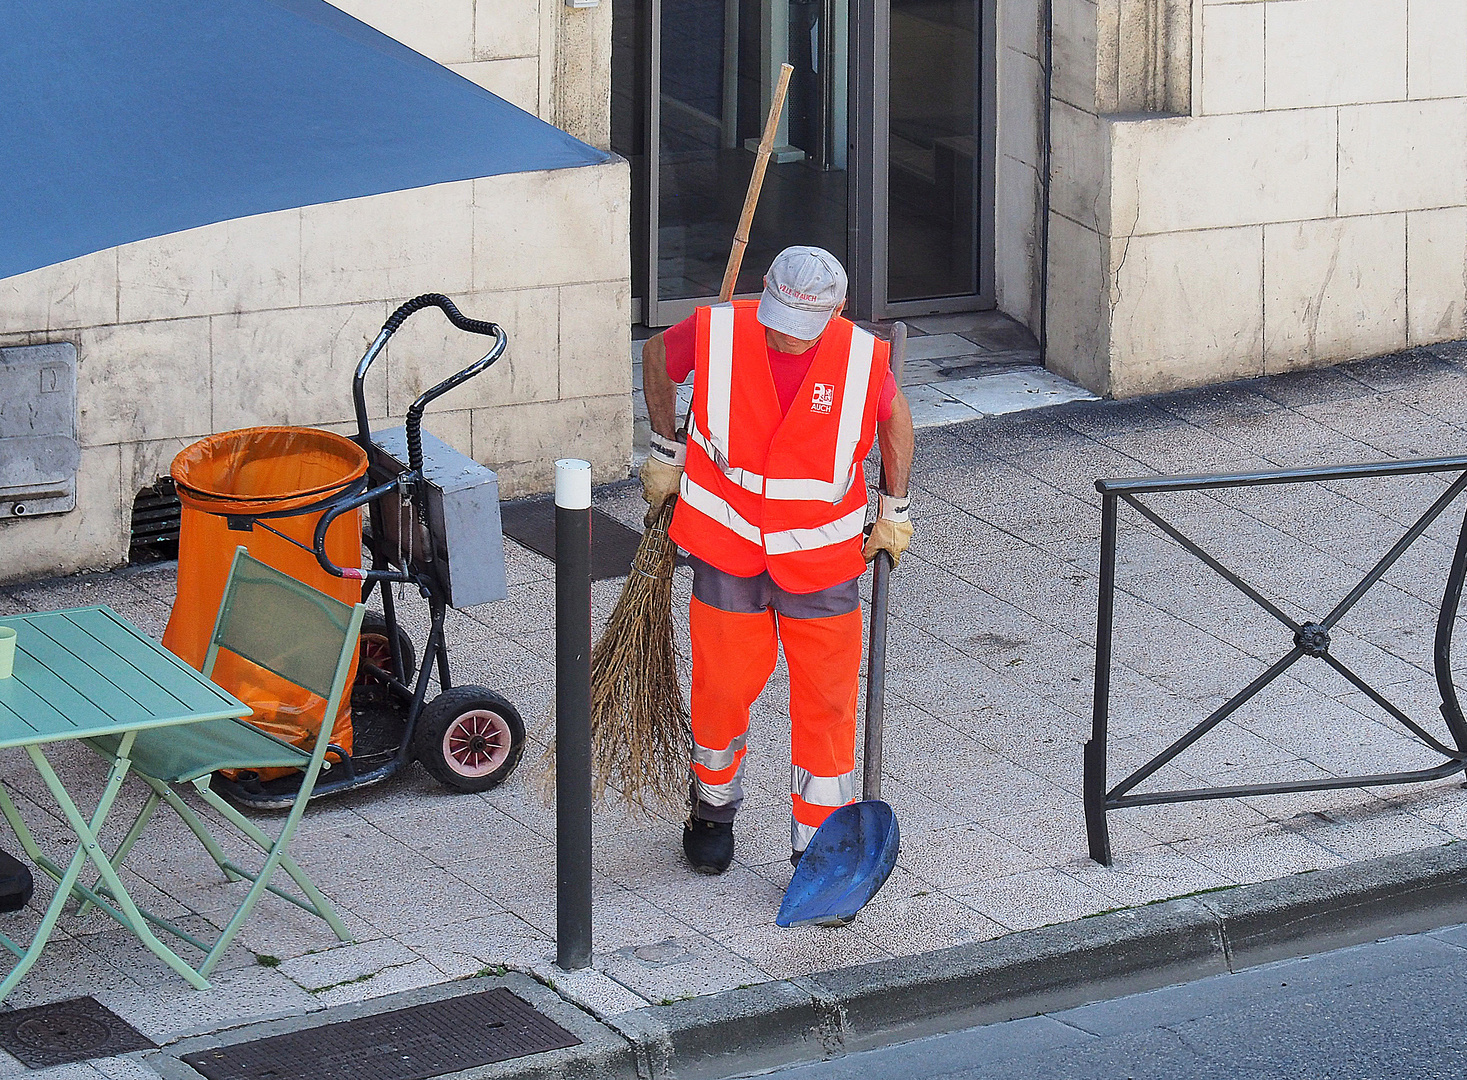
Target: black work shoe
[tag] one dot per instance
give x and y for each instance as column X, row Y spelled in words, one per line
column 795, row 857
column 709, row 845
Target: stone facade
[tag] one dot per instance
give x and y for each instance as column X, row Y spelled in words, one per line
column 549, row 59
column 1019, row 166
column 1242, row 187
column 262, row 320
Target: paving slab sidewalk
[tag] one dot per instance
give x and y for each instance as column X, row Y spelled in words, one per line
column 991, row 660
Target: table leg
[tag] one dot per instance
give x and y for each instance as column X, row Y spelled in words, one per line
column 91, row 849
column 86, row 835
column 119, row 856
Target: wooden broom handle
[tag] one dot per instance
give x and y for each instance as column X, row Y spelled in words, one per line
column 756, row 181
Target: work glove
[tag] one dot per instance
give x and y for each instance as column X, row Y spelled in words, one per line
column 892, row 530
column 662, row 473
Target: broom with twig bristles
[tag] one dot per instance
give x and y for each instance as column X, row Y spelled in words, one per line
column 640, row 730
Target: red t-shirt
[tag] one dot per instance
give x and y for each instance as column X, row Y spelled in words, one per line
column 788, row 369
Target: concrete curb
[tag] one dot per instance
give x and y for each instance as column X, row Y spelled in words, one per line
column 1054, row 967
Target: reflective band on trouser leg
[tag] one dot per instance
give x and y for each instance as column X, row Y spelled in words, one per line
column 718, row 760
column 733, row 656
column 814, row 799
column 824, row 658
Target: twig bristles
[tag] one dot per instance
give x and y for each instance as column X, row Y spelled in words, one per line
column 640, row 731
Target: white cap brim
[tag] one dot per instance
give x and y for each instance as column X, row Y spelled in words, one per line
column 800, row 323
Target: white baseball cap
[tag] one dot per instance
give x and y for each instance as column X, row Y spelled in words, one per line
column 803, row 288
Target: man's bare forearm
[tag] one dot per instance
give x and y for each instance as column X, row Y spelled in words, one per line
column 660, row 391
column 898, row 441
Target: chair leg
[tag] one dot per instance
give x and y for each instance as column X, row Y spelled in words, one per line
column 320, row 906
column 191, row 819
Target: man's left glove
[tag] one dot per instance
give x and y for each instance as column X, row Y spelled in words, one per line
column 892, row 531
column 662, row 473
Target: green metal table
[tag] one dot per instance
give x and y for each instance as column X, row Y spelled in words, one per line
column 88, row 673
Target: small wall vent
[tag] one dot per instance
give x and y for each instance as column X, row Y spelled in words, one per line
column 156, row 518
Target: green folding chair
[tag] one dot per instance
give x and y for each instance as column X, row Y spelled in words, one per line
column 300, row 634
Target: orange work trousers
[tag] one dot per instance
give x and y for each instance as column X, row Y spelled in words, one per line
column 734, row 653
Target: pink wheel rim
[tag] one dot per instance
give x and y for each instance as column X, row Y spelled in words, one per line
column 374, row 650
column 476, row 743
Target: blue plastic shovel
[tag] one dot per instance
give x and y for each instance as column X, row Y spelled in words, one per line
column 853, row 853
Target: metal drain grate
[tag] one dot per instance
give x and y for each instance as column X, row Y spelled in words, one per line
column 531, row 522
column 156, row 520
column 67, row 1031
column 405, row 1044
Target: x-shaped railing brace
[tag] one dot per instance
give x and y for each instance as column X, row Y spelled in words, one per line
column 1310, row 639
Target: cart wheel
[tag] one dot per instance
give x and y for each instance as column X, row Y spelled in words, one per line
column 374, row 647
column 469, row 738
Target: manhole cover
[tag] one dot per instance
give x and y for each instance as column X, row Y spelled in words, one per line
column 67, row 1031
column 405, row 1044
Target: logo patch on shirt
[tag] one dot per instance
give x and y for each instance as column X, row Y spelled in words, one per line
column 824, row 397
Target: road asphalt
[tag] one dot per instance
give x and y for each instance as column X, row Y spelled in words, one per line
column 1387, row 1009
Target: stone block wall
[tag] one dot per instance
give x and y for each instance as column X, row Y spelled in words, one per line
column 262, row 320
column 551, row 60
column 1018, row 180
column 1249, row 186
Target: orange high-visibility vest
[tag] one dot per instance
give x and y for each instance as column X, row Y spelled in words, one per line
column 783, row 492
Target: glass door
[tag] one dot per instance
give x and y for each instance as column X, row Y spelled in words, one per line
column 926, row 140
column 884, row 154
column 714, row 64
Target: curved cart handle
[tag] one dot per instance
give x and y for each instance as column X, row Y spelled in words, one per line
column 415, row 411
column 345, row 506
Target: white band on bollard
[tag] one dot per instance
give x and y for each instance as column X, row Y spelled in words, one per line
column 573, row 484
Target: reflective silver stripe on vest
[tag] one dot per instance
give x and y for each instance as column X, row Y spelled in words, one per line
column 823, row 790
column 705, row 502
column 718, row 760
column 720, row 376
column 744, row 478
column 808, row 490
column 838, row 531
column 853, row 403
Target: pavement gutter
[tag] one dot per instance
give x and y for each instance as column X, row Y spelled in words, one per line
column 831, row 1013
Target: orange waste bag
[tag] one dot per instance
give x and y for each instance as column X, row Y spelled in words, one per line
column 258, row 473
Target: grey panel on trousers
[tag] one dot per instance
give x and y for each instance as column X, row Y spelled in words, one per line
column 39, row 454
column 461, row 543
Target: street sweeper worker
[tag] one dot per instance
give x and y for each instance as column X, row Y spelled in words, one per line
column 788, row 398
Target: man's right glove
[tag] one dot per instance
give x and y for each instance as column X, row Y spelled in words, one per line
column 662, row 473
column 892, row 531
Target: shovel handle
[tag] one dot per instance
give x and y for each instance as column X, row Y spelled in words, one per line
column 872, row 754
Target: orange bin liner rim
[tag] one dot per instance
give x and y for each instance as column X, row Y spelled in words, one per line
column 208, row 450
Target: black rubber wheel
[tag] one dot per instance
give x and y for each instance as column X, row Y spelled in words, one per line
column 374, row 647
column 469, row 738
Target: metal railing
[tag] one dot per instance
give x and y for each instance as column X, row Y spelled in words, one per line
column 1310, row 639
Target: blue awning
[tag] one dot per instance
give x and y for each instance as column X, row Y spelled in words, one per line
column 124, row 119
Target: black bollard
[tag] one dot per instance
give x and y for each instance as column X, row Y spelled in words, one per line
column 572, row 714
